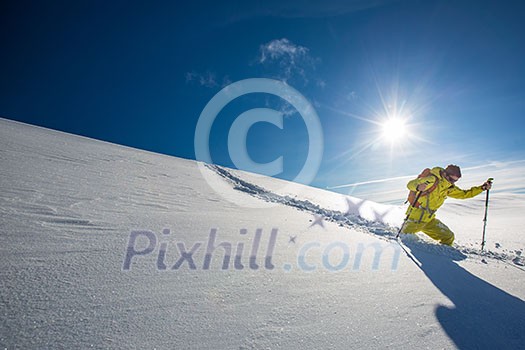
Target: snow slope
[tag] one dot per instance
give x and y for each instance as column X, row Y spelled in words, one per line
column 70, row 207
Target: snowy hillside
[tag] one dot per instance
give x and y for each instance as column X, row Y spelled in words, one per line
column 104, row 246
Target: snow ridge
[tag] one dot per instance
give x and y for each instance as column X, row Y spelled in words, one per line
column 375, row 228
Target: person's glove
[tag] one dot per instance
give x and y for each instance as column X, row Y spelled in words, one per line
column 486, row 186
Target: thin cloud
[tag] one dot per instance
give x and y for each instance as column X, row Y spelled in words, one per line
column 321, row 83
column 290, row 60
column 207, row 79
column 352, row 96
column 509, row 178
column 371, row 182
column 280, row 49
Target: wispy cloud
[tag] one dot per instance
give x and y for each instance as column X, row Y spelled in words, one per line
column 352, row 96
column 207, row 79
column 509, row 178
column 288, row 59
column 283, row 59
column 321, row 83
column 282, row 49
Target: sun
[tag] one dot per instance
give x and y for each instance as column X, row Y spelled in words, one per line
column 394, row 130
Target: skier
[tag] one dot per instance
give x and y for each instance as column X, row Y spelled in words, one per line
column 433, row 187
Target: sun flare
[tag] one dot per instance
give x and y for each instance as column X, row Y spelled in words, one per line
column 394, row 130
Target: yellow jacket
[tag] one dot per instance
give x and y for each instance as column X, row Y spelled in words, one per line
column 431, row 202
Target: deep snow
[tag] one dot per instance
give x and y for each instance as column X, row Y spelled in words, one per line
column 69, row 205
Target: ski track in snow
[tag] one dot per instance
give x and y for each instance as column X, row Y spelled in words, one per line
column 375, row 228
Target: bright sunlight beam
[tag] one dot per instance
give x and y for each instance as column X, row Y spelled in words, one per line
column 394, row 130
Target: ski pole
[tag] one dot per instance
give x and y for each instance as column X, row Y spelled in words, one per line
column 485, row 218
column 408, row 214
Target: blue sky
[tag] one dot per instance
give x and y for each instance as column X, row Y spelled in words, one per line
column 140, row 73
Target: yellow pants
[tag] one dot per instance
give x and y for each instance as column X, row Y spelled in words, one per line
column 434, row 229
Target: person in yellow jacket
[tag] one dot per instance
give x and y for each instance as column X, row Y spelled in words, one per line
column 435, row 188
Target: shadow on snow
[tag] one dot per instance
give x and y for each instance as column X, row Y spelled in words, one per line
column 484, row 316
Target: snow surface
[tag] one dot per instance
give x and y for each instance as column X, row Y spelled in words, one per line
column 69, row 205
